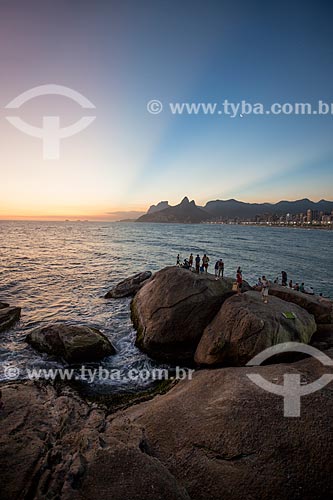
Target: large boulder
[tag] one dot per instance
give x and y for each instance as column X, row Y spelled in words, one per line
column 52, row 445
column 8, row 316
column 172, row 310
column 213, row 437
column 129, row 286
column 319, row 307
column 71, row 342
column 245, row 326
column 223, row 437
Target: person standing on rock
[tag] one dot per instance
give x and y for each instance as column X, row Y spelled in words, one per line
column 221, row 268
column 197, row 264
column 190, row 261
column 264, row 289
column 284, row 278
column 178, row 260
column 205, row 263
column 239, row 280
column 216, row 269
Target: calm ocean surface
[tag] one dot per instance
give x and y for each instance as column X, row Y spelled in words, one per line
column 59, row 272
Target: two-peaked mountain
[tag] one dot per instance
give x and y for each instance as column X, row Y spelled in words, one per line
column 186, row 212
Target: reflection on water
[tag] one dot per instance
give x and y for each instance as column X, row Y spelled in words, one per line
column 60, row 271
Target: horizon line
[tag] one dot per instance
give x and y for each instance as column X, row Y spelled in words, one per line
column 106, row 216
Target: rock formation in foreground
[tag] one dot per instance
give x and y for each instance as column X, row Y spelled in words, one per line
column 171, row 311
column 245, row 326
column 73, row 343
column 214, row 437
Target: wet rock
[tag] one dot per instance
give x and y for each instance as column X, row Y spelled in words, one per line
column 73, row 343
column 8, row 316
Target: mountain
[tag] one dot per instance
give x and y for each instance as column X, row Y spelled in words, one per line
column 185, row 212
column 233, row 208
column 189, row 212
column 157, row 208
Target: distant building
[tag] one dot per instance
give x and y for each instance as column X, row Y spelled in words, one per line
column 309, row 216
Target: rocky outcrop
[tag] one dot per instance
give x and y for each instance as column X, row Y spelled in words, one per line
column 128, row 287
column 54, row 445
column 216, row 436
column 320, row 308
column 8, row 316
column 172, row 310
column 221, row 436
column 70, row 342
column 245, row 326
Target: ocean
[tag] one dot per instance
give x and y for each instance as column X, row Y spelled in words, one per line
column 60, row 271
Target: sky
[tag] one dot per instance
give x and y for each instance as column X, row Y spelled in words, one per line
column 122, row 54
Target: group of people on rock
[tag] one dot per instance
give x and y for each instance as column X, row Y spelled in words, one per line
column 299, row 288
column 200, row 265
column 263, row 285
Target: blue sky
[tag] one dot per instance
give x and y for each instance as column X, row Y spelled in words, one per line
column 120, row 55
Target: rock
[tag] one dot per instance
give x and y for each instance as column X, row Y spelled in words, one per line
column 172, row 310
column 216, row 436
column 8, row 316
column 319, row 307
column 53, row 445
column 323, row 338
column 73, row 343
column 245, row 326
column 129, row 286
column 221, row 436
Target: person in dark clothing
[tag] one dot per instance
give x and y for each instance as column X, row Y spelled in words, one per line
column 284, row 278
column 216, row 268
column 197, row 264
column 239, row 280
column 221, row 268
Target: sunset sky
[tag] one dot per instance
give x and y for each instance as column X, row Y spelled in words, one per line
column 122, row 54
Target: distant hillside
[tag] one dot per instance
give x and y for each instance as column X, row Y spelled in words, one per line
column 157, row 208
column 185, row 212
column 233, row 208
column 189, row 212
